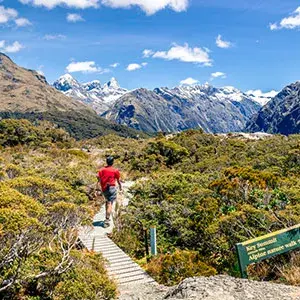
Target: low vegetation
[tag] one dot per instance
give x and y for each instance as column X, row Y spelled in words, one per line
column 204, row 193
column 44, row 200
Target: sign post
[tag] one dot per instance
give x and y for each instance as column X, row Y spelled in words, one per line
column 267, row 246
column 153, row 241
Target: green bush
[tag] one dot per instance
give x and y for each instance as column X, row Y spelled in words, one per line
column 170, row 269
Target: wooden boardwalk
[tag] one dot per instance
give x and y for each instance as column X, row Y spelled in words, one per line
column 119, row 265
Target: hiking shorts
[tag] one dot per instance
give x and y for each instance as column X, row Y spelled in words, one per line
column 110, row 194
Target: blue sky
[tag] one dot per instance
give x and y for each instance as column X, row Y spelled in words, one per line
column 258, row 44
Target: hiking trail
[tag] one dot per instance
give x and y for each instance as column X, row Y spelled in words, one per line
column 119, row 265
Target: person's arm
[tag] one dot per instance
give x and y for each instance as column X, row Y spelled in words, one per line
column 118, row 180
column 98, row 184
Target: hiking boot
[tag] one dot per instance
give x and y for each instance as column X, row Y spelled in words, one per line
column 106, row 224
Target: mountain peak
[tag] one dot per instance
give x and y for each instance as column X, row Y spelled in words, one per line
column 65, row 82
column 113, row 83
column 95, row 84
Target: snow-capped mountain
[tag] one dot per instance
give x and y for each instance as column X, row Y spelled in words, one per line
column 213, row 109
column 92, row 93
column 281, row 114
column 261, row 97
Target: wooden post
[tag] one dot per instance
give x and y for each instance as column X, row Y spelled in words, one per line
column 146, row 242
column 153, row 241
column 93, row 244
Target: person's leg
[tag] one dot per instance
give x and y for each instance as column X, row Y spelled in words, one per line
column 108, row 209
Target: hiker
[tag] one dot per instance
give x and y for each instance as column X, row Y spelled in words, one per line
column 107, row 177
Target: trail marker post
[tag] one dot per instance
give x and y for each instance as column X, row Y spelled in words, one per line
column 153, row 241
column 267, row 246
column 146, row 243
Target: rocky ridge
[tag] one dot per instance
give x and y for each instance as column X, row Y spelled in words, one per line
column 281, row 114
column 219, row 287
column 216, row 110
column 100, row 98
column 26, row 94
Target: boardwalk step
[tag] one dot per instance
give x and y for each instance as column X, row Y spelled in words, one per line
column 118, row 264
column 124, row 271
column 134, row 282
column 129, row 275
column 112, row 265
column 122, row 267
column 133, row 279
column 120, row 260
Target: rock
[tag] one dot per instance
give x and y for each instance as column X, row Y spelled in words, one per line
column 228, row 288
column 219, row 287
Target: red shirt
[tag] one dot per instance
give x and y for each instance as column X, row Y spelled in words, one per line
column 108, row 177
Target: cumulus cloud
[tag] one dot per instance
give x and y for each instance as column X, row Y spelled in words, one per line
column 74, row 18
column 7, row 14
column 222, row 43
column 189, row 81
column 183, row 53
column 147, row 53
column 115, row 65
column 10, row 48
column 85, row 67
column 217, row 75
column 69, row 3
column 273, row 26
column 135, row 66
column 150, row 7
column 11, row 15
column 22, row 22
column 290, row 22
column 51, row 37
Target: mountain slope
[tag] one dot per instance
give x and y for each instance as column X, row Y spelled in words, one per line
column 171, row 110
column 92, row 93
column 280, row 115
column 26, row 94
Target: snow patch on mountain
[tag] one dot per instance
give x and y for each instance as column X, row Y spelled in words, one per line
column 261, row 97
column 100, row 98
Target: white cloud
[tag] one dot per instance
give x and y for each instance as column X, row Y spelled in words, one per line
column 222, row 43
column 186, row 54
column 7, row 14
column 22, row 22
column 115, row 65
column 133, row 67
column 291, row 22
column 10, row 14
column 144, row 64
column 69, row 3
column 51, row 37
column 189, row 81
column 273, row 26
column 217, row 75
column 73, row 18
column 147, row 53
column 85, row 67
column 12, row 48
column 150, row 7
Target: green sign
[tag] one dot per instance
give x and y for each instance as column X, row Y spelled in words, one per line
column 269, row 245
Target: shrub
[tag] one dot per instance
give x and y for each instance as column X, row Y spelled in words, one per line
column 172, row 268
